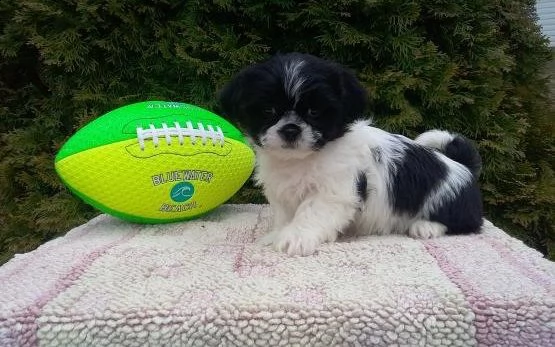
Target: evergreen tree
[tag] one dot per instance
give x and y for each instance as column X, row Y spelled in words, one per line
column 472, row 66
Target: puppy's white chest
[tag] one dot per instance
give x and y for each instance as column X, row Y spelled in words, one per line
column 290, row 182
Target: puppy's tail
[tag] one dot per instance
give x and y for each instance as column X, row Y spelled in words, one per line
column 453, row 146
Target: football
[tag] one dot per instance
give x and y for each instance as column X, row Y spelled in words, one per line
column 156, row 162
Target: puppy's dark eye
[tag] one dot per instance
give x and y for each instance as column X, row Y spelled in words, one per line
column 269, row 112
column 312, row 113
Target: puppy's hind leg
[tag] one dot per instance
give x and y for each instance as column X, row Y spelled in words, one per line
column 425, row 229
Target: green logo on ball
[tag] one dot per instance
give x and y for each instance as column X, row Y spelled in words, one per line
column 182, row 192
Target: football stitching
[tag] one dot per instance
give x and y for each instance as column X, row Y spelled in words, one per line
column 215, row 135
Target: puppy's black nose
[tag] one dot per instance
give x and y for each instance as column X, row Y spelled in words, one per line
column 290, row 132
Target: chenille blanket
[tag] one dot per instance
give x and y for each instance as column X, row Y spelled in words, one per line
column 208, row 283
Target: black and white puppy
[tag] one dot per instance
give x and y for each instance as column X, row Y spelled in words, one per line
column 325, row 171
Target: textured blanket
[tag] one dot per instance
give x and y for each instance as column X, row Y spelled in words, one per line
column 206, row 283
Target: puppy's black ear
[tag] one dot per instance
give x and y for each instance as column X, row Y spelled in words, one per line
column 353, row 96
column 230, row 99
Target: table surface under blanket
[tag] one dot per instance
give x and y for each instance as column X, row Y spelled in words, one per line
column 208, row 283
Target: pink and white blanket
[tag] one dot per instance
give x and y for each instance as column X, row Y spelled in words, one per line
column 205, row 283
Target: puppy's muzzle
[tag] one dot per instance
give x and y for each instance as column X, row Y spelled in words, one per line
column 290, row 132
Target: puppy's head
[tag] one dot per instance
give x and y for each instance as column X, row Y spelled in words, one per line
column 293, row 104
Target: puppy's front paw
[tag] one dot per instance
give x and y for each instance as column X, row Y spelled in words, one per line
column 267, row 239
column 295, row 242
column 423, row 229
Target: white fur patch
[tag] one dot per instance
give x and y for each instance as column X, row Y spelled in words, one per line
column 437, row 139
column 293, row 80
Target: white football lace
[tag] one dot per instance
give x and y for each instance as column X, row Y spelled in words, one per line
column 216, row 136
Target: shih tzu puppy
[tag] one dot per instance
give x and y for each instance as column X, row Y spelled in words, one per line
column 325, row 170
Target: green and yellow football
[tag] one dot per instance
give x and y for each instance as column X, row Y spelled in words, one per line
column 156, row 162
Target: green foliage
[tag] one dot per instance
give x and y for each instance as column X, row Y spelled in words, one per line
column 475, row 67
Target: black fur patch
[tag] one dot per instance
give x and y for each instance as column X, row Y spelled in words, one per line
column 362, row 186
column 415, row 175
column 463, row 215
column 329, row 99
column 463, row 151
